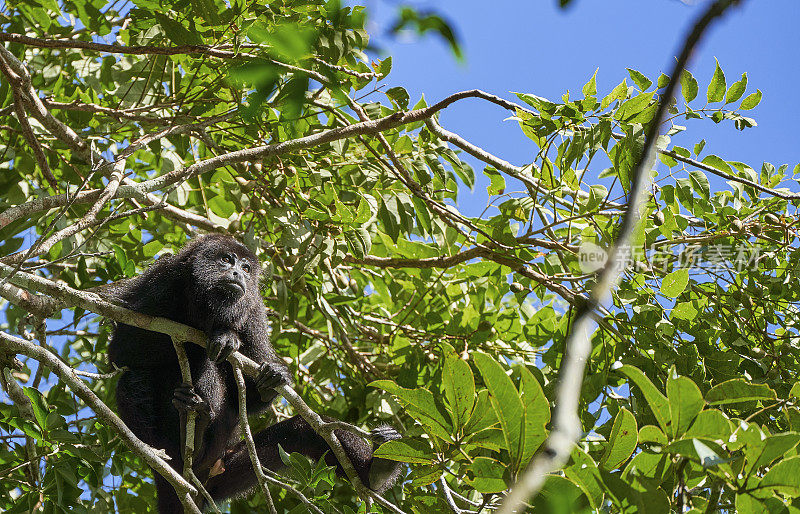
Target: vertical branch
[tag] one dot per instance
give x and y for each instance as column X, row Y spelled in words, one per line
column 566, row 421
column 248, row 437
column 23, row 403
column 189, row 428
column 40, row 330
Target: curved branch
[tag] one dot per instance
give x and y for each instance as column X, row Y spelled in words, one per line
column 502, row 165
column 566, row 422
column 66, row 374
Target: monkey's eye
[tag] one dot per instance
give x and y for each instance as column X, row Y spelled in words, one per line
column 227, row 258
column 246, row 267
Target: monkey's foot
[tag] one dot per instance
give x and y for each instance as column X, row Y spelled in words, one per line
column 269, row 377
column 384, row 433
column 221, row 345
column 186, row 400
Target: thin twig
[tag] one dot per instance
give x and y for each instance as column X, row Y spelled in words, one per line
column 248, row 438
column 189, row 428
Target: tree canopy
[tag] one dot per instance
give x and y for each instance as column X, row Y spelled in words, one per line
column 128, row 128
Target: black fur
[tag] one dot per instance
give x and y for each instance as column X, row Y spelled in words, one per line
column 212, row 285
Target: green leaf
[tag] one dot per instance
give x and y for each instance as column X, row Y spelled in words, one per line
column 620, row 92
column 466, row 174
column 748, row 504
column 421, row 405
column 768, row 450
column 559, row 495
column 486, row 475
column 685, row 311
column 784, row 477
column 685, row 402
column 652, row 434
column 633, row 107
column 700, row 183
column 639, row 79
column 736, row 90
column 359, row 241
column 507, row 404
column 537, row 413
column 717, row 162
column 597, row 194
column 738, row 390
column 717, row 86
column 39, row 405
column 689, row 87
column 590, row 88
column 406, row 450
column 176, row 32
column 497, row 184
column 675, row 283
column 459, row 388
column 398, row 96
column 751, row 101
column 658, row 402
column 710, row 424
column 585, row 473
column 699, row 147
column 622, row 441
column 483, row 414
column 421, row 476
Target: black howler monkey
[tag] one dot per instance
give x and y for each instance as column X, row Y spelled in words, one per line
column 212, row 284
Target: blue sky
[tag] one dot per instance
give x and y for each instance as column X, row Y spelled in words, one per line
column 536, row 47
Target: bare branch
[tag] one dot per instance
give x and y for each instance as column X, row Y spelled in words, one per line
column 517, row 172
column 727, row 176
column 189, row 429
column 155, row 458
column 566, row 422
column 248, row 438
column 118, row 49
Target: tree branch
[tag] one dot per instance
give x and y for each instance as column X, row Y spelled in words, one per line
column 566, row 422
column 155, row 458
column 248, row 438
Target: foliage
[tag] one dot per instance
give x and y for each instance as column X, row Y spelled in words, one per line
column 391, row 304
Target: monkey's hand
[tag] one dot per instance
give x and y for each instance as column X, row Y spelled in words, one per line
column 186, row 400
column 384, row 433
column 221, row 344
column 383, row 473
column 271, row 375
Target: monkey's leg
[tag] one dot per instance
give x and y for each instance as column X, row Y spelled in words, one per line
column 295, row 435
column 168, row 502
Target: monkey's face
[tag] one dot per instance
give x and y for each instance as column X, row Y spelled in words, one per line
column 226, row 273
